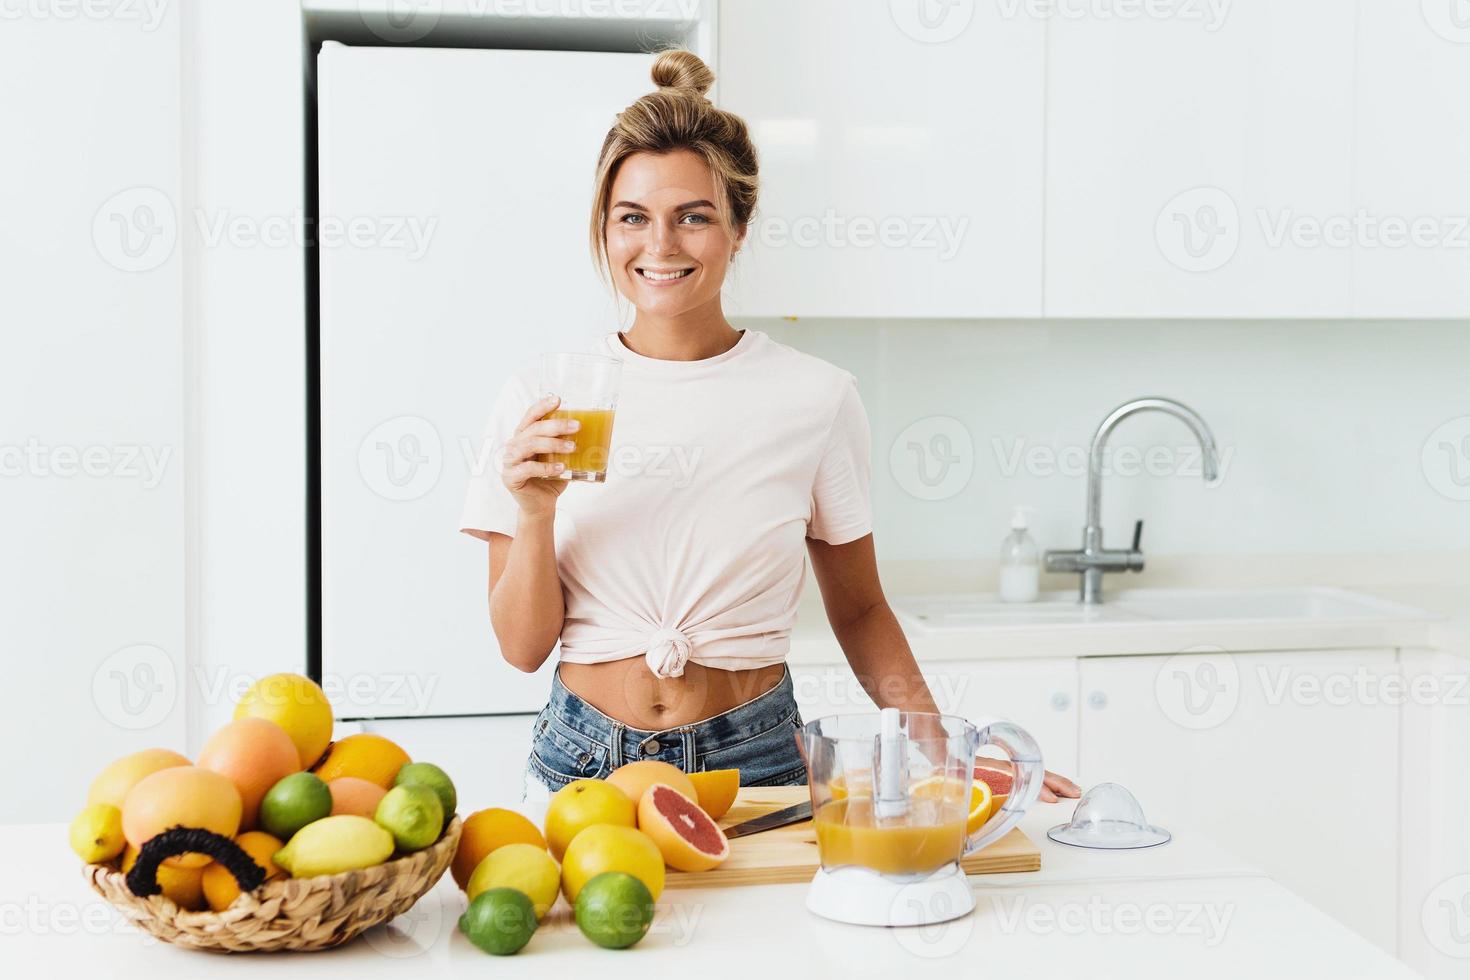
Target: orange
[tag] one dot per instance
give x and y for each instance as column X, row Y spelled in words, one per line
column 581, row 804
column 366, row 756
column 483, row 832
column 611, row 847
column 298, row 705
column 716, row 790
column 181, row 796
column 220, row 888
column 635, row 778
column 182, row 886
column 353, row 795
column 981, row 800
column 255, row 754
column 684, row 834
column 112, row 784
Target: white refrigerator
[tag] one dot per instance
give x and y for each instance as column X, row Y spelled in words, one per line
column 455, row 189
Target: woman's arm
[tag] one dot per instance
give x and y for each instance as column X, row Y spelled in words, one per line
column 526, row 607
column 872, row 640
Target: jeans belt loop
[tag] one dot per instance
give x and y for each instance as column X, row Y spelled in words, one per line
column 615, row 746
column 691, row 761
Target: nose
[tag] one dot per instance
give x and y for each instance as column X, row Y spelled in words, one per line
column 663, row 241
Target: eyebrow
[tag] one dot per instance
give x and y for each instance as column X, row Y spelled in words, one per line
column 683, row 207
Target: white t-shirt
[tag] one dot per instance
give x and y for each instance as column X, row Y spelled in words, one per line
column 694, row 549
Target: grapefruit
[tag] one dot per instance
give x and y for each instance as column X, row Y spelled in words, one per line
column 716, row 790
column 181, row 796
column 999, row 783
column 298, row 705
column 635, row 778
column 611, row 847
column 486, row 830
column 255, row 754
column 353, row 795
column 220, row 888
column 366, row 756
column 685, row 835
column 112, row 784
column 581, row 804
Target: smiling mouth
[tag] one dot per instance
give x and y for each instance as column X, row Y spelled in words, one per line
column 672, row 275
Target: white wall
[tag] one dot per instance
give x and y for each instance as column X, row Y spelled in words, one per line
column 1330, row 433
column 92, row 583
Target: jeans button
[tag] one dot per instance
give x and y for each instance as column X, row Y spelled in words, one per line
column 652, row 748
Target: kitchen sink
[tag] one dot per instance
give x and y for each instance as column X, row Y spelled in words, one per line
column 1142, row 611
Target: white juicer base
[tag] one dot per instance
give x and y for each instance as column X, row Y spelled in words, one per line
column 867, row 898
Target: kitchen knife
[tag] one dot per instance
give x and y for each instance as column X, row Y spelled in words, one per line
column 770, row 821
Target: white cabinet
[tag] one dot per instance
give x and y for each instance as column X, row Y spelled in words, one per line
column 1038, row 695
column 901, row 158
column 457, row 186
column 1289, row 759
column 485, row 756
column 1412, row 257
column 1434, row 918
column 1190, row 155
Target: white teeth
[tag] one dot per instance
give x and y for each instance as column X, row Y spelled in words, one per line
column 665, row 276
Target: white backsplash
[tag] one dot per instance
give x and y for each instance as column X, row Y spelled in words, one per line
column 1322, row 429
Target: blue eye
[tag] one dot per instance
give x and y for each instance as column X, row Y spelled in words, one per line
column 698, row 217
column 629, row 218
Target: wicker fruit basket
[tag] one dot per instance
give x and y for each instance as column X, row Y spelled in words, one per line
column 299, row 914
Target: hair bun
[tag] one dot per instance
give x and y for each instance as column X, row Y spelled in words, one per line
column 682, row 69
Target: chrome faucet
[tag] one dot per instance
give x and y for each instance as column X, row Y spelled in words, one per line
column 1093, row 559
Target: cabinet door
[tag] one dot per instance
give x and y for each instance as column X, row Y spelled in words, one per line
column 1288, row 759
column 1413, row 152
column 1190, row 153
column 1435, row 809
column 485, row 756
column 1038, row 695
column 465, row 207
column 901, row 158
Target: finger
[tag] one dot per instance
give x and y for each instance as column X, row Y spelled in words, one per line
column 528, row 446
column 517, row 476
column 538, row 409
column 1047, row 796
column 550, row 427
column 1062, row 785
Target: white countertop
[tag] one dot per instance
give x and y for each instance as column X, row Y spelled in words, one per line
column 1187, row 908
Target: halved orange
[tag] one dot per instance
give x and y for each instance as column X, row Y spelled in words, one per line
column 716, row 790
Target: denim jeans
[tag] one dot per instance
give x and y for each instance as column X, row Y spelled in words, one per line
column 573, row 740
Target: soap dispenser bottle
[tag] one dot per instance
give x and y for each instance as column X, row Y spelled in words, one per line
column 1020, row 562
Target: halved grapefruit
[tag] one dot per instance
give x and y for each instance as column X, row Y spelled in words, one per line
column 1000, row 785
column 686, row 836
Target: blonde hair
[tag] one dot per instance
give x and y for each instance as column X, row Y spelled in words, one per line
column 679, row 117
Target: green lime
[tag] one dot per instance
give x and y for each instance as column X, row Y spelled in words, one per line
column 499, row 921
column 412, row 814
column 614, row 910
column 430, row 775
column 292, row 803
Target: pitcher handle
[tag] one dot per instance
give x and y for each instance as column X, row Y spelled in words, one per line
column 1025, row 756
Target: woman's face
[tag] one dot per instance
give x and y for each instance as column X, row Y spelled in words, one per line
column 665, row 243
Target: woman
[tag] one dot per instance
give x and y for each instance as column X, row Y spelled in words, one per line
column 674, row 585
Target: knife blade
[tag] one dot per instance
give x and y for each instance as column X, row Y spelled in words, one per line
column 770, row 821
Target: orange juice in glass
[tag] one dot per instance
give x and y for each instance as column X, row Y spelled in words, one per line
column 587, row 385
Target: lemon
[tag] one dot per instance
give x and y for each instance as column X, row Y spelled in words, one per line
column 484, row 831
column 609, row 847
column 97, row 834
column 332, row 845
column 298, row 705
column 524, row 867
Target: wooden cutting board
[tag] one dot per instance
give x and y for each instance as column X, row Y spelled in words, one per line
column 789, row 854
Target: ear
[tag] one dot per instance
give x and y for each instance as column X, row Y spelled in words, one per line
column 739, row 240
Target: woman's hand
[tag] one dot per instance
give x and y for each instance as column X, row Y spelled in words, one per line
column 534, row 484
column 1053, row 786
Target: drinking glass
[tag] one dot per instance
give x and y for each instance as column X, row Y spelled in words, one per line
column 587, row 385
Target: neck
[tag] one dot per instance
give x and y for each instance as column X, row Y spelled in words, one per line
column 691, row 336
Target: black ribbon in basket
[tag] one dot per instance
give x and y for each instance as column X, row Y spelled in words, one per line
column 142, row 880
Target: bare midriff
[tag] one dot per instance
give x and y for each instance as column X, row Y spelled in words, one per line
column 629, row 692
